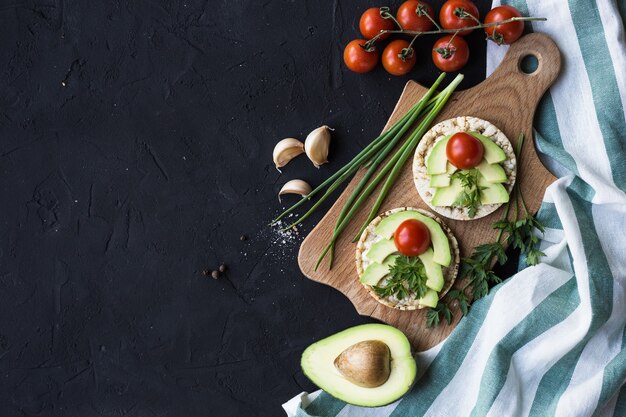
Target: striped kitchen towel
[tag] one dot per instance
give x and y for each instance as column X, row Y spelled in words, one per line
column 551, row 340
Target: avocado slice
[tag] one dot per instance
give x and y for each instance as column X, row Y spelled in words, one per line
column 380, row 250
column 430, row 299
column 439, row 180
column 448, row 195
column 493, row 153
column 433, row 271
column 441, row 247
column 492, row 193
column 492, row 172
column 442, row 180
column 436, row 162
column 376, row 271
column 358, row 347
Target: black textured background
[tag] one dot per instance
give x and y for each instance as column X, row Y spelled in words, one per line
column 135, row 150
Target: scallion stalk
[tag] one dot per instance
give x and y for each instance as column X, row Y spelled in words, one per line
column 413, row 141
column 394, row 165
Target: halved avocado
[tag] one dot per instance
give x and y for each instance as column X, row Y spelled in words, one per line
column 369, row 365
column 380, row 250
column 436, row 162
column 441, row 247
column 493, row 153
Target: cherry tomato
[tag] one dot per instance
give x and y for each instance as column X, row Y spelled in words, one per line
column 464, row 151
column 450, row 54
column 450, row 19
column 393, row 62
column 508, row 32
column 409, row 18
column 372, row 23
column 358, row 59
column 412, row 237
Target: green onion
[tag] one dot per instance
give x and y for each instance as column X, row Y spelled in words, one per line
column 412, row 144
column 394, row 165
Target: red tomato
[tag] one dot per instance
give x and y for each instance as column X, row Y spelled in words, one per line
column 409, row 18
column 450, row 19
column 372, row 23
column 357, row 59
column 450, row 54
column 464, row 151
column 508, row 32
column 412, row 237
column 392, row 60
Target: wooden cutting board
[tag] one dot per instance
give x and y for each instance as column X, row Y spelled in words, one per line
column 508, row 99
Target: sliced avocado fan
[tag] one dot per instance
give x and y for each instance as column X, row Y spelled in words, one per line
column 439, row 240
column 369, row 365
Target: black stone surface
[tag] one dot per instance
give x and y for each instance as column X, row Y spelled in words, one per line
column 135, row 150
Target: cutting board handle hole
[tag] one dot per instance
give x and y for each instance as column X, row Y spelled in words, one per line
column 529, row 64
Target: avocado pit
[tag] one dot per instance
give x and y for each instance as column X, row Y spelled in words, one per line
column 366, row 364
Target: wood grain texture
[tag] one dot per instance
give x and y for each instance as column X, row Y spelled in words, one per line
column 508, row 99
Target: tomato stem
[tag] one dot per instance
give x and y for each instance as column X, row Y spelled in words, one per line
column 408, row 51
column 422, row 11
column 385, row 14
column 440, row 31
column 463, row 14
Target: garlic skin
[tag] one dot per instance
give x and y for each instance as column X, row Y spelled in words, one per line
column 295, row 187
column 286, row 150
column 316, row 145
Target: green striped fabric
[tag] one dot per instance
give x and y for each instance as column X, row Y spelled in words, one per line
column 551, row 340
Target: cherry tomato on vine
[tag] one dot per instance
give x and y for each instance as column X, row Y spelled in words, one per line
column 372, row 23
column 506, row 33
column 412, row 237
column 357, row 59
column 393, row 58
column 450, row 15
column 450, row 54
column 464, row 151
column 410, row 19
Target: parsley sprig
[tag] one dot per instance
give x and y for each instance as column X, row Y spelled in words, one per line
column 407, row 275
column 470, row 197
column 520, row 234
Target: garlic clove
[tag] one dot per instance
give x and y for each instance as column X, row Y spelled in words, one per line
column 295, row 187
column 316, row 145
column 286, row 150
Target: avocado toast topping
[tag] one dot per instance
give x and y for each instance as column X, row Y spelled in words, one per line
column 469, row 193
column 400, row 281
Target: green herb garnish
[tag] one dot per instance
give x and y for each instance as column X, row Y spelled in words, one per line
column 470, row 197
column 407, row 275
column 433, row 316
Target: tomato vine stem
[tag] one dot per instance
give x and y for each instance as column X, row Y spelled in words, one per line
column 372, row 41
